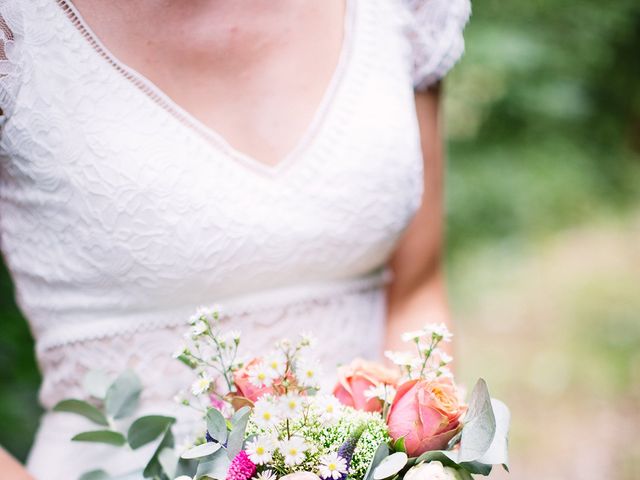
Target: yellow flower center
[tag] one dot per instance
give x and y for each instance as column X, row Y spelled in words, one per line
column 260, row 450
column 332, row 466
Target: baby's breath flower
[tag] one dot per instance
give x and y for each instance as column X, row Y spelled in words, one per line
column 332, row 466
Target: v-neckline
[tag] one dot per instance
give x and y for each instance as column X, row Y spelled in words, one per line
column 212, row 136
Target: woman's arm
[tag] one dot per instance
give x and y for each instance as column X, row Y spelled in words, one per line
column 417, row 293
column 11, row 469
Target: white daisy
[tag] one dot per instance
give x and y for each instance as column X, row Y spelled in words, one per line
column 328, row 407
column 308, row 372
column 203, row 313
column 266, row 475
column 293, row 450
column 403, row 359
column 290, row 406
column 332, row 466
column 445, row 358
column 260, row 375
column 276, row 363
column 265, row 413
column 260, row 450
column 413, row 336
column 201, row 385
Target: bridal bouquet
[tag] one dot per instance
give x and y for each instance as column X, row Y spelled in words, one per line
column 268, row 419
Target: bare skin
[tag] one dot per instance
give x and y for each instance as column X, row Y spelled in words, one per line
column 255, row 72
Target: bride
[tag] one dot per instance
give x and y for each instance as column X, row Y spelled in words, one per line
column 279, row 158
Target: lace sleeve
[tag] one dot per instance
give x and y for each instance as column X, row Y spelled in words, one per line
column 10, row 33
column 435, row 30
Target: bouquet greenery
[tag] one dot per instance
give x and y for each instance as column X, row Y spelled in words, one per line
column 268, row 419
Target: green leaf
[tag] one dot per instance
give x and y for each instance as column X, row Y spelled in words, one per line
column 168, row 459
column 154, row 468
column 479, row 425
column 448, row 459
column 239, row 427
column 110, row 437
column 477, row 467
column 95, row 475
column 398, row 445
column 390, row 466
column 96, row 383
column 215, row 468
column 146, row 429
column 216, row 425
column 498, row 452
column 122, row 396
column 463, row 475
column 83, row 408
column 200, row 451
column 381, row 452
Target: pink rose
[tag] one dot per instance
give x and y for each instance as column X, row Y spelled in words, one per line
column 358, row 377
column 426, row 413
column 245, row 388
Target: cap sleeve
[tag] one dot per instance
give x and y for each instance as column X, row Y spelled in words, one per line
column 435, row 32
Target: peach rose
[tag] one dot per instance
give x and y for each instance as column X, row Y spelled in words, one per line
column 358, row 377
column 245, row 388
column 426, row 413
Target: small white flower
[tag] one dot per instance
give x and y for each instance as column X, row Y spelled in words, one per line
column 265, row 413
column 198, row 329
column 328, row 407
column 180, row 351
column 431, row 470
column 293, row 450
column 307, row 372
column 413, row 336
column 445, row 358
column 290, row 406
column 332, row 466
column 383, row 392
column 307, row 340
column 445, row 372
column 260, row 376
column 260, row 450
column 266, row 475
column 439, row 331
column 403, row 359
column 206, row 314
column 201, row 385
column 276, row 363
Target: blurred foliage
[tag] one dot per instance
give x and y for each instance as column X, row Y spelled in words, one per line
column 543, row 119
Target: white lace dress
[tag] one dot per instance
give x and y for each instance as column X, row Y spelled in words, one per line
column 120, row 213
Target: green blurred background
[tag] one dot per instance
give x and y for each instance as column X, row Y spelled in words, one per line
column 543, row 191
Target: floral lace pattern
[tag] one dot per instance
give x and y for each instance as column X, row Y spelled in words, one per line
column 116, row 225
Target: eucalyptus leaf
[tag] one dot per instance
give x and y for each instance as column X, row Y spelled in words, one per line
column 168, row 459
column 200, row 451
column 476, row 467
column 122, row 396
column 154, row 468
column 498, row 452
column 216, row 425
column 447, row 458
column 463, row 475
column 390, row 466
column 80, row 407
column 96, row 383
column 95, row 475
column 110, row 437
column 381, row 452
column 479, row 425
column 146, row 429
column 215, row 468
column 237, row 434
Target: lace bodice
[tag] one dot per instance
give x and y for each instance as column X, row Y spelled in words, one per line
column 120, row 213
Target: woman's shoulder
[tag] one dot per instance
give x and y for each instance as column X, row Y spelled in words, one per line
column 435, row 30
